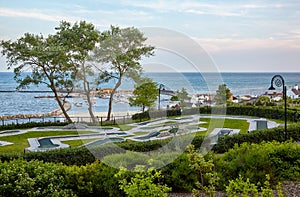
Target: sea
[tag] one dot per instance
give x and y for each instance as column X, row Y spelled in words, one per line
column 17, row 102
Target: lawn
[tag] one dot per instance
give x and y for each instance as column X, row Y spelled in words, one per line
column 76, row 143
column 243, row 125
column 21, row 142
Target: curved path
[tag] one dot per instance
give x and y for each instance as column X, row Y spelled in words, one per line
column 185, row 125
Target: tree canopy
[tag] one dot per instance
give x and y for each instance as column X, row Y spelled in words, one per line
column 120, row 51
column 145, row 95
column 52, row 60
column 223, row 94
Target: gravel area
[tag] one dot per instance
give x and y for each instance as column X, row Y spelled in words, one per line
column 289, row 189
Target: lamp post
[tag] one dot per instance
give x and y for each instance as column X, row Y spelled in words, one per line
column 161, row 87
column 279, row 81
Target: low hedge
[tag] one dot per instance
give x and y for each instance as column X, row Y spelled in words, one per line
column 257, row 111
column 31, row 125
column 275, row 134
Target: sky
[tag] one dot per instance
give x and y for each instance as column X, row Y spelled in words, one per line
column 233, row 35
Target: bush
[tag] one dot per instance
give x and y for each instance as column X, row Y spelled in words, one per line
column 144, row 183
column 227, row 142
column 69, row 156
column 279, row 160
column 35, row 178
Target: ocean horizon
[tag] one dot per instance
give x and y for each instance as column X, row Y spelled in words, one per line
column 240, row 83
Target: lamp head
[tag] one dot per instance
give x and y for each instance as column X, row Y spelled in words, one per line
column 272, row 87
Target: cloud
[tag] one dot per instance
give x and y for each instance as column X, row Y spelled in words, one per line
column 217, row 45
column 48, row 15
column 200, row 8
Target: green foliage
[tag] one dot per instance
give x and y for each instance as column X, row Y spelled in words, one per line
column 121, row 49
column 222, row 94
column 263, row 101
column 254, row 161
column 144, row 183
column 204, row 169
column 182, row 96
column 35, row 178
column 240, row 187
column 53, row 60
column 31, row 125
column 227, row 142
column 145, row 95
column 174, row 98
column 266, row 112
column 179, row 175
column 69, row 156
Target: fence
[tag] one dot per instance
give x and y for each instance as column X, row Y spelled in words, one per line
column 101, row 120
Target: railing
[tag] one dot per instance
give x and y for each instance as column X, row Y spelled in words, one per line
column 114, row 120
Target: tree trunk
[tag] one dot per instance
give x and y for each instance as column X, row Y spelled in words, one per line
column 61, row 105
column 111, row 98
column 88, row 96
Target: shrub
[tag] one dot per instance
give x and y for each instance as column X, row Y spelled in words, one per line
column 254, row 161
column 35, row 178
column 227, row 142
column 144, row 183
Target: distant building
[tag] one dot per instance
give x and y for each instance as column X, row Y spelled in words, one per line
column 274, row 96
column 293, row 92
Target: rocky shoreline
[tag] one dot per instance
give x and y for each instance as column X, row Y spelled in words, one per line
column 56, row 112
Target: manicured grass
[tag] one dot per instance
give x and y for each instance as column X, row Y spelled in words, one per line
column 210, row 124
column 125, row 127
column 140, row 133
column 76, row 143
column 21, row 142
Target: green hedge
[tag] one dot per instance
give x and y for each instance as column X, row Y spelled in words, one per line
column 266, row 112
column 155, row 114
column 277, row 134
column 31, row 125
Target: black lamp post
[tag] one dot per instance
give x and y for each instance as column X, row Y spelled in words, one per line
column 161, row 87
column 279, row 81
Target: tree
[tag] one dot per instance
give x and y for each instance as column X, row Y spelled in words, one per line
column 223, row 94
column 80, row 40
column 121, row 50
column 53, row 60
column 46, row 58
column 182, row 96
column 145, row 95
column 263, row 101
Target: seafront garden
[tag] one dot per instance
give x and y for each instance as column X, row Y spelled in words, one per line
column 256, row 162
column 220, row 147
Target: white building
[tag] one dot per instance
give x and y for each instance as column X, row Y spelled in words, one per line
column 293, row 92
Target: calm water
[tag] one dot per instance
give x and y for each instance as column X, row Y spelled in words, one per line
column 238, row 83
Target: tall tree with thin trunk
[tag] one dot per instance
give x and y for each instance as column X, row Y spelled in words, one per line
column 81, row 39
column 45, row 58
column 121, row 49
column 53, row 60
